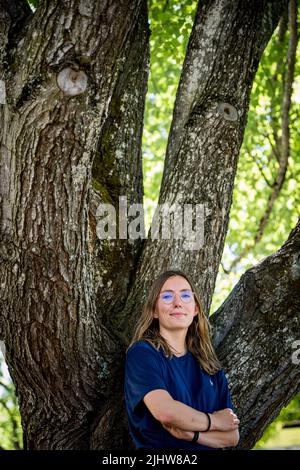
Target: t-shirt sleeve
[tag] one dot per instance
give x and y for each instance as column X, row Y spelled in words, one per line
column 143, row 374
column 225, row 400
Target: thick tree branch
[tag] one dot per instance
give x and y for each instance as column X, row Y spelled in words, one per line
column 4, row 28
column 254, row 331
column 119, row 155
column 76, row 37
column 18, row 12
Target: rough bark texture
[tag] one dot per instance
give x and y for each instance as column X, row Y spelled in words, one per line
column 76, row 76
column 117, row 171
column 59, row 354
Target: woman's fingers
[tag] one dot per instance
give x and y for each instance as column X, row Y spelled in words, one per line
column 236, row 420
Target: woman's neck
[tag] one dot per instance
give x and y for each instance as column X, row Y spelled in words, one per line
column 176, row 341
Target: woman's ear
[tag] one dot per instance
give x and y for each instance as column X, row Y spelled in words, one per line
column 155, row 315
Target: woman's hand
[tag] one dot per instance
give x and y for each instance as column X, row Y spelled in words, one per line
column 224, row 420
column 179, row 433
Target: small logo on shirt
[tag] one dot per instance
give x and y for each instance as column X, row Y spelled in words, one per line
column 211, row 382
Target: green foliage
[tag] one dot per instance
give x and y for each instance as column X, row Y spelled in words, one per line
column 10, row 421
column 258, row 166
column 288, row 415
column 33, row 3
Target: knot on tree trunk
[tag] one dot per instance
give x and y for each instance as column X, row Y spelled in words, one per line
column 228, row 111
column 72, row 82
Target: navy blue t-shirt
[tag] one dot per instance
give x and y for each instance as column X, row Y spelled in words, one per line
column 149, row 369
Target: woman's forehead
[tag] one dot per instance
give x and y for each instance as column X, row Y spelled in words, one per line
column 176, row 282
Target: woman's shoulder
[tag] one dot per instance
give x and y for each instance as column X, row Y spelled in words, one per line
column 142, row 346
column 221, row 375
column 142, row 352
column 218, row 375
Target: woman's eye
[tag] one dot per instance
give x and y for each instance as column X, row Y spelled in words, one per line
column 167, row 297
column 186, row 296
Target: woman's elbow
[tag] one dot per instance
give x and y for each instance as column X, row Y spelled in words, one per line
column 160, row 413
column 164, row 417
column 232, row 439
column 235, row 438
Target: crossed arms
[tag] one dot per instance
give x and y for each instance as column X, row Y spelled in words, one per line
column 182, row 421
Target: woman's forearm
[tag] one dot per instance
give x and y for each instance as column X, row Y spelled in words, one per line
column 219, row 439
column 182, row 416
column 186, row 417
column 215, row 439
column 173, row 413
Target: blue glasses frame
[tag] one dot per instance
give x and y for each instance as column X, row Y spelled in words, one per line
column 168, row 296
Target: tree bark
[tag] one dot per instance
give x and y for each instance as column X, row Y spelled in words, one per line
column 59, row 86
column 117, row 171
column 75, row 75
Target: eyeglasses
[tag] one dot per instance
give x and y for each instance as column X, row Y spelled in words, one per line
column 168, row 296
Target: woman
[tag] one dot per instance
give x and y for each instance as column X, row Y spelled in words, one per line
column 176, row 394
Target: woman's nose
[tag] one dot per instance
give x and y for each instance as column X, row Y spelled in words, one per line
column 177, row 299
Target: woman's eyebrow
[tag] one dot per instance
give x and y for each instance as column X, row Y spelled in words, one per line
column 170, row 290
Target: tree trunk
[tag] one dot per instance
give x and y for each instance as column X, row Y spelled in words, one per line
column 61, row 79
column 76, row 75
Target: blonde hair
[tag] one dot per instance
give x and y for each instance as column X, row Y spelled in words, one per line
column 198, row 335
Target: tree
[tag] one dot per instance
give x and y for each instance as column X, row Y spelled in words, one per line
column 74, row 80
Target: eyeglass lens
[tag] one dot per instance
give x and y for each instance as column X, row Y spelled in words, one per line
column 168, row 296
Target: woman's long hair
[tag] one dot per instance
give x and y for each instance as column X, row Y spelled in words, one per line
column 198, row 335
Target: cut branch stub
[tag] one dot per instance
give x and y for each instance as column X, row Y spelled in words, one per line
column 72, row 82
column 227, row 111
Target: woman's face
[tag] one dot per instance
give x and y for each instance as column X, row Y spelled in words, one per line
column 172, row 311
